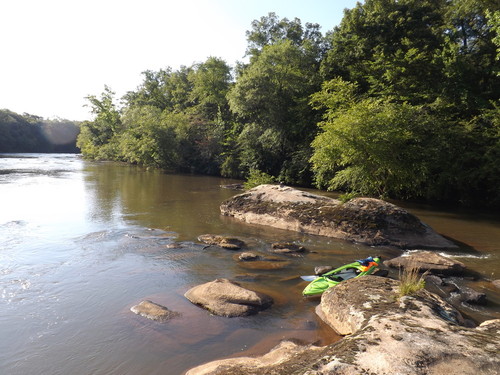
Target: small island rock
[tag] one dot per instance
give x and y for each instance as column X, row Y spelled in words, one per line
column 227, row 298
column 365, row 220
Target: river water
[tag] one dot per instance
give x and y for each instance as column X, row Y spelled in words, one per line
column 82, row 242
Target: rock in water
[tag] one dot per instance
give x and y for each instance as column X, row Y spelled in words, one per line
column 364, row 220
column 428, row 261
column 153, row 311
column 228, row 243
column 227, row 298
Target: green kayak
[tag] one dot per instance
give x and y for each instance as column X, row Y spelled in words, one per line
column 349, row 271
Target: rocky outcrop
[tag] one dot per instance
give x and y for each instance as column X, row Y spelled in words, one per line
column 387, row 335
column 227, row 298
column 228, row 243
column 428, row 261
column 365, row 220
column 153, row 311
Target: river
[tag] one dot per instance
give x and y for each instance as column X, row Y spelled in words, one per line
column 82, row 242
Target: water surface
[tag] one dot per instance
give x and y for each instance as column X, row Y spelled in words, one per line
column 82, row 242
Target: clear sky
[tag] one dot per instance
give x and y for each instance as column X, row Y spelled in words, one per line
column 56, row 52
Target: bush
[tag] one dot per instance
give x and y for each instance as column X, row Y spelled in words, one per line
column 256, row 178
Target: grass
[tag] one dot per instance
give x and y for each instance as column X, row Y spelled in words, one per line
column 411, row 280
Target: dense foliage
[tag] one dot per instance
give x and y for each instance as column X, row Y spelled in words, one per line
column 401, row 100
column 29, row 133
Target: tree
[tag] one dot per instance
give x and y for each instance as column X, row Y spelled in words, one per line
column 271, row 30
column 149, row 138
column 271, row 99
column 375, row 147
column 97, row 138
column 389, row 48
column 210, row 84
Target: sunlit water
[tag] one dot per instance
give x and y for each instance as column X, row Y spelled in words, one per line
column 81, row 243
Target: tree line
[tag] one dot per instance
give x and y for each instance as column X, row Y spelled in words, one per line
column 31, row 133
column 401, row 100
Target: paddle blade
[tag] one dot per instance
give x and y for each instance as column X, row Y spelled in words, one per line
column 309, row 278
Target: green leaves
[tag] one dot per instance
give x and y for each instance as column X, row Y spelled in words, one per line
column 375, row 148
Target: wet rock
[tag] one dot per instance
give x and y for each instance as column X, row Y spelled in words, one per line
column 387, row 335
column 365, row 220
column 153, row 311
column 436, row 280
column 428, row 261
column 228, row 243
column 381, row 273
column 248, row 256
column 471, row 296
column 227, row 298
column 320, row 270
column 287, row 248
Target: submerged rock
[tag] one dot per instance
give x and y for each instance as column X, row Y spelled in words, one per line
column 153, row 311
column 387, row 335
column 365, row 220
column 249, row 256
column 428, row 261
column 287, row 248
column 227, row 298
column 228, row 243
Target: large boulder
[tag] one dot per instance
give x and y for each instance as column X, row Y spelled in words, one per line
column 387, row 335
column 227, row 298
column 365, row 220
column 428, row 261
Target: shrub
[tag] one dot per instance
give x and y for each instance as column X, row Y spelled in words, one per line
column 256, row 178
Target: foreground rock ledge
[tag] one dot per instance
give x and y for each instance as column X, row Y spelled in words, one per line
column 406, row 336
column 364, row 220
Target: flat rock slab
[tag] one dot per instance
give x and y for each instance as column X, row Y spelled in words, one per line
column 428, row 261
column 227, row 298
column 153, row 311
column 365, row 220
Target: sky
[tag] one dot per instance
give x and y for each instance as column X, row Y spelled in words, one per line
column 54, row 53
